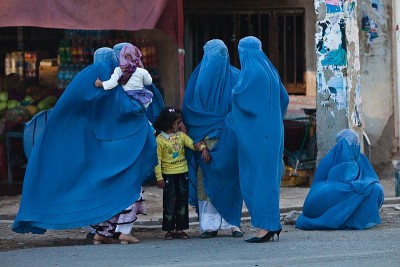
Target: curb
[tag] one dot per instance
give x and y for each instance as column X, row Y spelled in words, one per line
column 390, row 202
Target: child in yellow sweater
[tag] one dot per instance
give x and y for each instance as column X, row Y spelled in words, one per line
column 172, row 171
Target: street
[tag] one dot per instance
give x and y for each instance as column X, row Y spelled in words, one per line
column 375, row 247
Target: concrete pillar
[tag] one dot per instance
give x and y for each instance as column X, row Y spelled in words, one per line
column 396, row 64
column 338, row 71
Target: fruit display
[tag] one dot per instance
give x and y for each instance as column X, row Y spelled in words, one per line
column 47, row 103
column 15, row 111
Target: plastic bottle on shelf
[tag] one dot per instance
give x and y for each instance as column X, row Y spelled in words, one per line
column 152, row 54
column 13, row 65
column 143, row 49
column 67, row 76
column 73, row 52
column 7, row 63
column 20, row 64
column 60, row 77
column 61, row 51
column 68, row 56
column 76, row 69
column 79, row 52
column 28, row 63
column 87, row 52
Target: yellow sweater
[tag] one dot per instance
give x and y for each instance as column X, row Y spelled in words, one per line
column 171, row 153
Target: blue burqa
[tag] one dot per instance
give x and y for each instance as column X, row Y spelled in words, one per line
column 206, row 113
column 346, row 193
column 90, row 161
column 157, row 104
column 258, row 107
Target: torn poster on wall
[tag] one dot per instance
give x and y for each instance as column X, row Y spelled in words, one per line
column 333, row 92
column 368, row 24
column 332, row 43
column 332, row 53
column 334, row 6
column 337, row 89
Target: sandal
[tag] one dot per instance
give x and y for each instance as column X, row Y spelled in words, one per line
column 237, row 234
column 169, row 236
column 209, row 234
column 128, row 239
column 100, row 239
column 181, row 235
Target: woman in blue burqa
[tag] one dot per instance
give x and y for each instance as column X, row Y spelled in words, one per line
column 206, row 113
column 91, row 158
column 258, row 107
column 345, row 193
column 154, row 109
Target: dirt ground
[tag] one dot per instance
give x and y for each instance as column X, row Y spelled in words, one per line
column 13, row 241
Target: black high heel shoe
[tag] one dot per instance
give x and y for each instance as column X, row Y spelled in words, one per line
column 268, row 236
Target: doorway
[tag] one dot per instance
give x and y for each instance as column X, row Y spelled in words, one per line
column 280, row 31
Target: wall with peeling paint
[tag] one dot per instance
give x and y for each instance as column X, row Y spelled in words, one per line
column 355, row 90
column 376, row 75
column 337, row 71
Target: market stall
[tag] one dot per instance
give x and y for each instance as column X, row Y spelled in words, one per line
column 36, row 67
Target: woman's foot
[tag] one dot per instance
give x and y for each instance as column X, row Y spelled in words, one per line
column 128, row 239
column 101, row 239
column 208, row 234
column 169, row 235
column 236, row 232
column 261, row 233
column 264, row 236
column 181, row 235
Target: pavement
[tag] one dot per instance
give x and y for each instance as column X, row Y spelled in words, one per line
column 291, row 199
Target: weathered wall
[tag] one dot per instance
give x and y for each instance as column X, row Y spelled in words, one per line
column 338, row 72
column 376, row 77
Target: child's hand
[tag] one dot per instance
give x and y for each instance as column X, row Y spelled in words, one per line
column 98, row 83
column 200, row 145
column 205, row 155
column 160, row 184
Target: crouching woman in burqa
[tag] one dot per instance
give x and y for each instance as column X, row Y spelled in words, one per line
column 346, row 193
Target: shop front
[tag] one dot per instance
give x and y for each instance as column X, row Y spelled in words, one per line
column 43, row 45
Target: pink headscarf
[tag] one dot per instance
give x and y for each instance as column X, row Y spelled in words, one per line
column 129, row 60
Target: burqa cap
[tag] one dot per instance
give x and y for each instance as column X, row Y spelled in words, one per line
column 250, row 42
column 216, row 46
column 104, row 54
column 351, row 138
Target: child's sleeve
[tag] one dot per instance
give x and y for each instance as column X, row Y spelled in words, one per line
column 157, row 169
column 187, row 141
column 113, row 81
column 147, row 80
